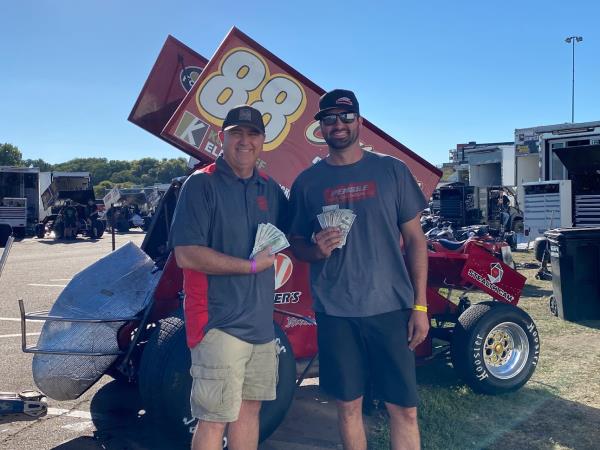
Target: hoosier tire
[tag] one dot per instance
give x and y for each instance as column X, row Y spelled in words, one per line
column 495, row 347
column 165, row 382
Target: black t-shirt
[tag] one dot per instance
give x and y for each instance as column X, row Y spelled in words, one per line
column 217, row 209
column 368, row 275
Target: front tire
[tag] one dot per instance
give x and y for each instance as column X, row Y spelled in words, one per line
column 165, row 382
column 495, row 347
column 540, row 246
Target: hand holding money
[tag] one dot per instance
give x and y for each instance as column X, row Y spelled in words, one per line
column 328, row 240
column 268, row 235
column 333, row 216
column 264, row 259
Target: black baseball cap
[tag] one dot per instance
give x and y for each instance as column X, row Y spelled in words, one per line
column 337, row 99
column 244, row 115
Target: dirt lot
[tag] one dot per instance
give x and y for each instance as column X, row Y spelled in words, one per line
column 559, row 408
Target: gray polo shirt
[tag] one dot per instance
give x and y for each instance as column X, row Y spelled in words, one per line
column 219, row 210
column 368, row 275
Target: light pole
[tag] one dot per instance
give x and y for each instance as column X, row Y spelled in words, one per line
column 572, row 40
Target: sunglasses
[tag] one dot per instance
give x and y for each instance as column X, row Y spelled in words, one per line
column 346, row 117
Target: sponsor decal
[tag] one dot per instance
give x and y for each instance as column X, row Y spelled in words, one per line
column 188, row 77
column 536, row 341
column 283, row 269
column 261, row 201
column 481, row 372
column 313, row 134
column 496, row 272
column 284, row 298
column 191, row 129
column 295, row 322
column 501, row 292
column 244, row 77
column 350, row 192
column 213, row 144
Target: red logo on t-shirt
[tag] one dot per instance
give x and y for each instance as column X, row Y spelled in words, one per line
column 261, row 201
column 352, row 191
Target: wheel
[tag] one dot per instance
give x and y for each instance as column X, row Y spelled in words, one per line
column 59, row 231
column 5, row 232
column 40, row 230
column 19, row 232
column 123, row 227
column 540, row 246
column 96, row 229
column 165, row 382
column 495, row 347
column 101, row 228
column 553, row 304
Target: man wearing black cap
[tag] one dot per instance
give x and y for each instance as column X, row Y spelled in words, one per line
column 370, row 306
column 229, row 298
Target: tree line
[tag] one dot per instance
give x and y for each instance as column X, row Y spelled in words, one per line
column 105, row 173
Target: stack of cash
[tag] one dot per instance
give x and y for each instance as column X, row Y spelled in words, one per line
column 268, row 235
column 333, row 216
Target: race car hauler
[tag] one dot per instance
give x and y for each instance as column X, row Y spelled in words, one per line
column 51, row 183
column 19, row 198
column 558, row 173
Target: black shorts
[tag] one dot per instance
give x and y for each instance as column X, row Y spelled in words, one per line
column 355, row 352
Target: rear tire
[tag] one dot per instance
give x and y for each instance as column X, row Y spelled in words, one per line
column 40, row 230
column 540, row 246
column 165, row 382
column 59, row 231
column 495, row 347
column 5, row 232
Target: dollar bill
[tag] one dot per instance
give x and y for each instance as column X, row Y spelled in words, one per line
column 333, row 216
column 268, row 235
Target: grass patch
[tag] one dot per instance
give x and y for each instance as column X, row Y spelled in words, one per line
column 559, row 408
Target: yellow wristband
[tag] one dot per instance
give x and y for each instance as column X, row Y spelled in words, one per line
column 420, row 308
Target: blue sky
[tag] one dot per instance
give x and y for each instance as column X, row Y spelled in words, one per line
column 431, row 74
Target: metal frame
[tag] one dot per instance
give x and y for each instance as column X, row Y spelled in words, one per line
column 43, row 316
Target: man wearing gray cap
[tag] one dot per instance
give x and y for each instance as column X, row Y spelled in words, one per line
column 370, row 305
column 229, row 298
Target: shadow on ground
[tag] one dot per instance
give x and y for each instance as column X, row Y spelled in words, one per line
column 52, row 241
column 556, row 423
column 116, row 413
column 531, row 290
column 122, row 425
column 534, row 417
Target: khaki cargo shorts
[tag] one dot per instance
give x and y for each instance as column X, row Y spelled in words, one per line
column 226, row 370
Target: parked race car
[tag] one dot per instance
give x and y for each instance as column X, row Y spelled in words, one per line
column 105, row 323
column 73, row 213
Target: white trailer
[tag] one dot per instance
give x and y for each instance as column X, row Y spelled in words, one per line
column 561, row 165
column 19, row 198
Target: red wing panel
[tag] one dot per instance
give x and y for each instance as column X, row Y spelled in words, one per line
column 243, row 72
column 491, row 275
column 172, row 76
